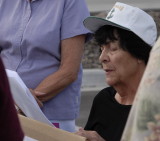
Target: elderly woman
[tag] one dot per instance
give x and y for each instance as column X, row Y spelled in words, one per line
column 125, row 38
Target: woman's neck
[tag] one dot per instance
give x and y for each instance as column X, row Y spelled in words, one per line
column 126, row 91
column 125, row 95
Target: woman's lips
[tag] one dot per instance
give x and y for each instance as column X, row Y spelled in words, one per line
column 108, row 71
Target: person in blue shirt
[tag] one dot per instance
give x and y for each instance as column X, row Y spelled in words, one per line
column 43, row 41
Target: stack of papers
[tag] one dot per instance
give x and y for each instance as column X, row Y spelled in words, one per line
column 24, row 99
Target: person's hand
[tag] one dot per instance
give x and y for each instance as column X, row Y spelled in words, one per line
column 43, row 97
column 90, row 135
column 38, row 101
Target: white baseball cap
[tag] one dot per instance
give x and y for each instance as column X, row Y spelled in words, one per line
column 129, row 18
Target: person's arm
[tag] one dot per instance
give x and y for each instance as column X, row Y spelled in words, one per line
column 71, row 55
column 90, row 135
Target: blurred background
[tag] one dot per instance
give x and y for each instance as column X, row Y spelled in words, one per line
column 93, row 76
column 103, row 5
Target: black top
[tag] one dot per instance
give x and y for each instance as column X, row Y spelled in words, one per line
column 107, row 116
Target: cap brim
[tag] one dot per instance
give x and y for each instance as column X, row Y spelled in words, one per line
column 94, row 23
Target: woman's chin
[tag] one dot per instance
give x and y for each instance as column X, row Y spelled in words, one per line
column 110, row 82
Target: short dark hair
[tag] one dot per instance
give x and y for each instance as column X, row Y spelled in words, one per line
column 128, row 41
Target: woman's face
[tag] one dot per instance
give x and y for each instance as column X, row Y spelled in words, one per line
column 119, row 65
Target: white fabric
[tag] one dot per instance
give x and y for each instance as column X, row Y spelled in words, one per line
column 144, row 119
column 129, row 18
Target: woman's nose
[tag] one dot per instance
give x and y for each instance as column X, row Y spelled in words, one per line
column 104, row 56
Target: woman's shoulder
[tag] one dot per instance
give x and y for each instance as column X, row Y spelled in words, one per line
column 106, row 92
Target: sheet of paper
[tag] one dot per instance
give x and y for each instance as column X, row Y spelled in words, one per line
column 28, row 139
column 24, row 99
column 43, row 132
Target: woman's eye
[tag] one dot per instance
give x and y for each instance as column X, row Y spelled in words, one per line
column 113, row 48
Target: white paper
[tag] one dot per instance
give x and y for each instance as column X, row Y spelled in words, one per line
column 24, row 99
column 29, row 139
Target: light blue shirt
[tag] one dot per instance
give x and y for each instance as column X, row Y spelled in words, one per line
column 30, row 35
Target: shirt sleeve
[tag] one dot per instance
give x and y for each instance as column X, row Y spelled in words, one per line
column 75, row 11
